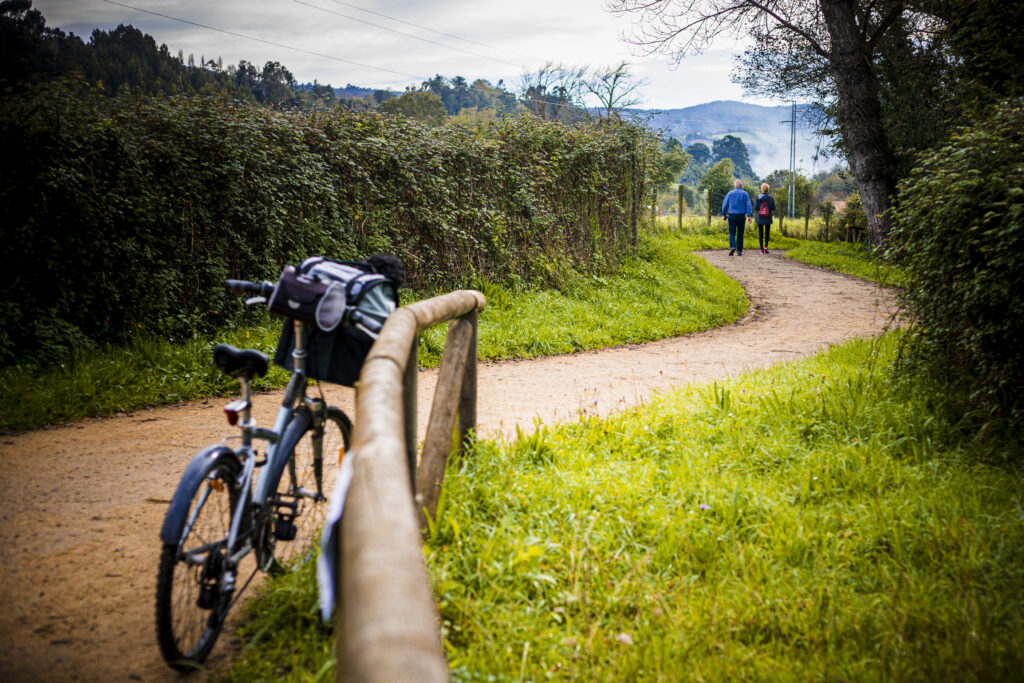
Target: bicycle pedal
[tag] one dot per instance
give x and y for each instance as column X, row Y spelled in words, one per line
column 293, row 505
column 208, row 594
column 285, row 530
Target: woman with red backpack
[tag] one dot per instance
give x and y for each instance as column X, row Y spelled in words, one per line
column 764, row 208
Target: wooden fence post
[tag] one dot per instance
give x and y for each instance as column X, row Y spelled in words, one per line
column 448, row 399
column 680, row 204
column 467, row 399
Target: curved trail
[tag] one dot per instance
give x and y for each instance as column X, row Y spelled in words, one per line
column 83, row 503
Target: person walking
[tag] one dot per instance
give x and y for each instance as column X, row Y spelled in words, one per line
column 764, row 208
column 736, row 207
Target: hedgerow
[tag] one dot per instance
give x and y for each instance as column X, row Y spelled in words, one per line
column 959, row 236
column 125, row 214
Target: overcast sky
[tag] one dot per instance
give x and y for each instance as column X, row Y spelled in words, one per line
column 490, row 39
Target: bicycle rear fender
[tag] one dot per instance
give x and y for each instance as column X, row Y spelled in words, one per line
column 177, row 511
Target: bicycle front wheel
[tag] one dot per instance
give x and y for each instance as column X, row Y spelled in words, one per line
column 306, row 484
column 191, row 601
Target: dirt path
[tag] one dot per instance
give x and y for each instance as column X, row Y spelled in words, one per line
column 83, row 503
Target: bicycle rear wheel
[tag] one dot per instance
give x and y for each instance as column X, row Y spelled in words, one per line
column 306, row 484
column 191, row 602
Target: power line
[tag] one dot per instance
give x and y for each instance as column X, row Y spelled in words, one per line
column 318, row 54
column 408, row 35
column 266, row 42
column 440, row 33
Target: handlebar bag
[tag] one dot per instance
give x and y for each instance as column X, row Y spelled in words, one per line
column 336, row 354
column 370, row 296
column 312, row 300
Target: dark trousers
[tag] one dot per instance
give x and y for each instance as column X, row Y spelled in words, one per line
column 737, row 224
column 763, row 231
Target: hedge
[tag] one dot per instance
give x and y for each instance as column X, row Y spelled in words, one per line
column 126, row 214
column 959, row 235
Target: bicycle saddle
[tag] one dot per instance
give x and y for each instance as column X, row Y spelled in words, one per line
column 245, row 362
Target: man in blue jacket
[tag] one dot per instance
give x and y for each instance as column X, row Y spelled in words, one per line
column 735, row 208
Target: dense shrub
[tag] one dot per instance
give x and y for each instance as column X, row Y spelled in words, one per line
column 126, row 214
column 959, row 234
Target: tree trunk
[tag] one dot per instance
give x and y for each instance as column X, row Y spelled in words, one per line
column 860, row 115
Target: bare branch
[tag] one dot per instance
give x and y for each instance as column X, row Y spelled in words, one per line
column 615, row 88
column 814, row 44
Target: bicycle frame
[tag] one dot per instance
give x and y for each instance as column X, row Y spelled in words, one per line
column 254, row 500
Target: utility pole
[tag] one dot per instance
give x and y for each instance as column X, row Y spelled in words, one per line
column 791, row 197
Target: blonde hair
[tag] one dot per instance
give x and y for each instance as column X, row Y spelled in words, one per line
column 764, row 187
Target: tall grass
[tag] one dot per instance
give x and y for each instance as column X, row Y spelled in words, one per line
column 660, row 292
column 852, row 259
column 664, row 291
column 810, row 521
column 150, row 371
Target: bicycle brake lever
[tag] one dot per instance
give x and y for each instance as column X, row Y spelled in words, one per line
column 256, row 300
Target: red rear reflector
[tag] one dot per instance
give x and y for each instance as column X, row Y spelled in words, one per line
column 234, row 409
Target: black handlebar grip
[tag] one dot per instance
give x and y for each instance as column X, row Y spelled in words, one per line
column 245, row 287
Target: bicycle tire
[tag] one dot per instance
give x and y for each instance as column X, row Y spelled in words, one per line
column 190, row 604
column 301, row 484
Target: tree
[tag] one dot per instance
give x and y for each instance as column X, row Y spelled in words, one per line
column 732, row 147
column 976, row 33
column 554, row 91
column 719, row 180
column 826, row 210
column 276, row 84
column 422, row 106
column 672, row 162
column 615, row 88
column 700, row 153
column 839, row 38
column 804, row 191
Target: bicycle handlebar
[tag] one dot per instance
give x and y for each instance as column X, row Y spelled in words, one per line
column 245, row 287
column 368, row 324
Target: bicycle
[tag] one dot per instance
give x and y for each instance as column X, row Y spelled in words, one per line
column 231, row 504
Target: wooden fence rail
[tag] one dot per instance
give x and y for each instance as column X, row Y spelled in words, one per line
column 386, row 625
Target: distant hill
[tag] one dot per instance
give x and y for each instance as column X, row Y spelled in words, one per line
column 758, row 126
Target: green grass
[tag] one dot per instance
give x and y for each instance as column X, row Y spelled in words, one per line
column 811, row 521
column 852, row 259
column 697, row 235
column 628, row 307
column 663, row 293
column 148, row 372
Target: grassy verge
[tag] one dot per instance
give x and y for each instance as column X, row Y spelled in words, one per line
column 814, row 520
column 697, row 235
column 852, row 259
column 664, row 292
column 591, row 313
